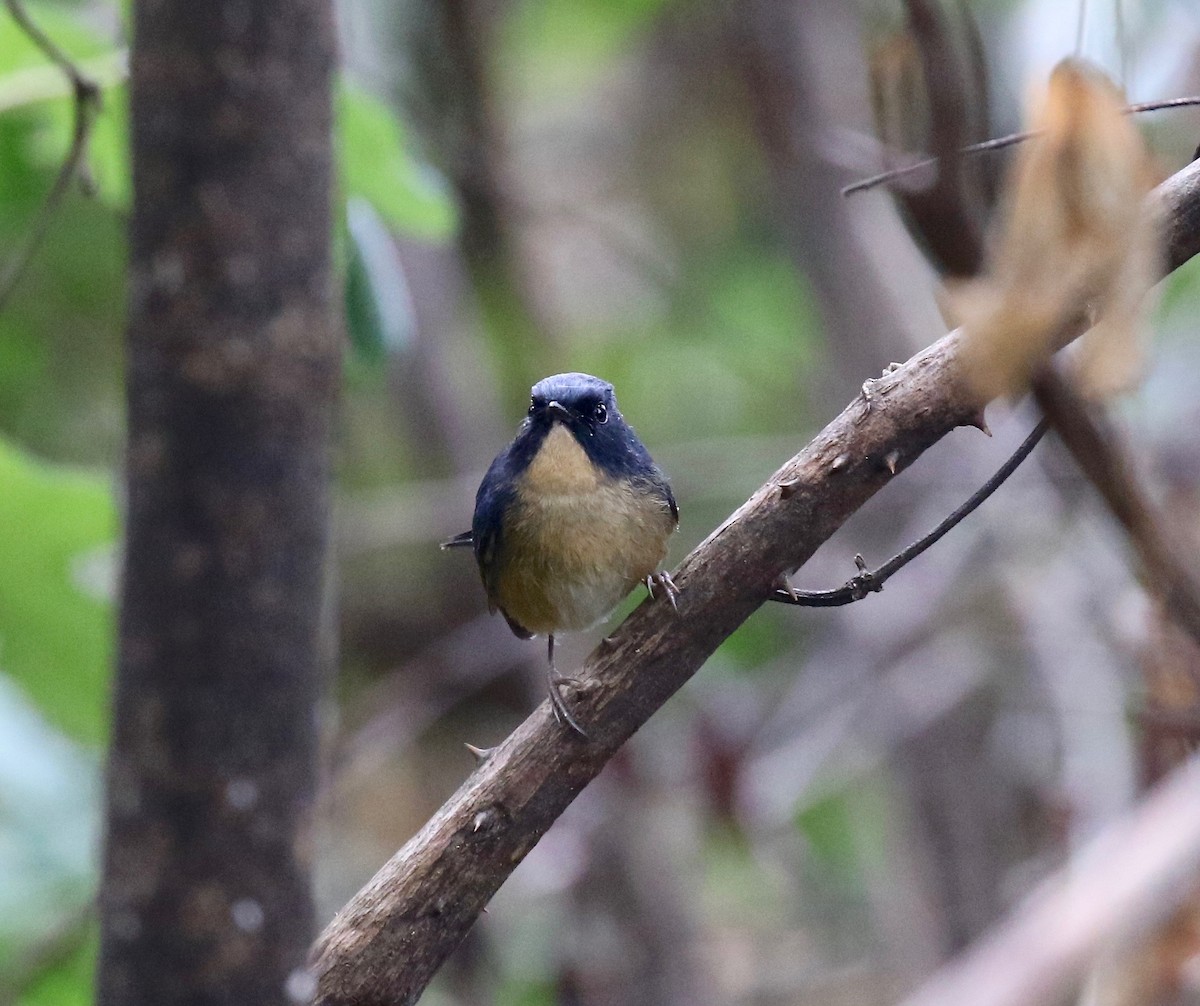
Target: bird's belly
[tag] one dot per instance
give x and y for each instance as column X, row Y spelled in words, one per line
column 573, row 557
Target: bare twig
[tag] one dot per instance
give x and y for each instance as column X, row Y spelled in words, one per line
column 871, row 581
column 1131, row 876
column 1097, row 449
column 391, row 938
column 86, row 104
column 999, row 143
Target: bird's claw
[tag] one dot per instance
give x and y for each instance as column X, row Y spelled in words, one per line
column 663, row 579
column 559, row 705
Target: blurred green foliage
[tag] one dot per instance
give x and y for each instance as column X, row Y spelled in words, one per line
column 56, row 573
column 566, row 44
column 378, row 166
column 68, row 982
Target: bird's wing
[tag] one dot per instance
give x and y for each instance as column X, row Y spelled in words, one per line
column 517, row 628
column 487, row 527
column 666, row 487
column 658, row 485
column 493, row 501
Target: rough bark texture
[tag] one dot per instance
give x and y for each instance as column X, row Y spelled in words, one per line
column 386, row 944
column 232, row 368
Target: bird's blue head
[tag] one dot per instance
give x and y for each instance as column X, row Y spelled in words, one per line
column 587, row 407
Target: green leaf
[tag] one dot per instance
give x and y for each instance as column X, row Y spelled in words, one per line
column 378, row 164
column 57, row 568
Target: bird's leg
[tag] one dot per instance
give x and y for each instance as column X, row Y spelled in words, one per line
column 557, row 702
column 663, row 579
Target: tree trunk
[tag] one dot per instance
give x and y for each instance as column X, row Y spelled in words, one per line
column 233, row 365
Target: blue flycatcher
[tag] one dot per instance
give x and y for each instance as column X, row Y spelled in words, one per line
column 570, row 517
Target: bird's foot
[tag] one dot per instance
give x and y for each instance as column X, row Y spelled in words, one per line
column 559, row 705
column 663, row 580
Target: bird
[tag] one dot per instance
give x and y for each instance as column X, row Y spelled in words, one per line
column 569, row 518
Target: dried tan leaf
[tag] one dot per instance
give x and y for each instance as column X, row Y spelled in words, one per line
column 898, row 97
column 1075, row 238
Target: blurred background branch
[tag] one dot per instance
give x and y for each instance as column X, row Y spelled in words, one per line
column 1129, row 878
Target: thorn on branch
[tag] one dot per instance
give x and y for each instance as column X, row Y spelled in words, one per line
column 784, row 584
column 788, row 489
column 480, row 755
column 980, row 423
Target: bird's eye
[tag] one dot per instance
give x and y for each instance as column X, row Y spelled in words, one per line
column 600, row 413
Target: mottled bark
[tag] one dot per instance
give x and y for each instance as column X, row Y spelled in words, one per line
column 232, row 368
column 386, row 944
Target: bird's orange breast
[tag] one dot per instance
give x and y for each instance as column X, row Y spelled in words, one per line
column 576, row 540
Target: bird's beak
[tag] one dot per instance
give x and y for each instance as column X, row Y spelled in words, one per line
column 559, row 411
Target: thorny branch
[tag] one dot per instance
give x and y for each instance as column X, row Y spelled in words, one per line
column 86, row 104
column 871, row 581
column 390, row 939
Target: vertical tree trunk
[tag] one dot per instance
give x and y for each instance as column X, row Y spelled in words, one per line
column 232, row 369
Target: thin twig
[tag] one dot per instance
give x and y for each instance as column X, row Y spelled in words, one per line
column 872, row 581
column 1000, row 142
column 86, row 104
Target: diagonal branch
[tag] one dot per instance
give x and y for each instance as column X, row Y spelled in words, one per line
column 388, row 942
